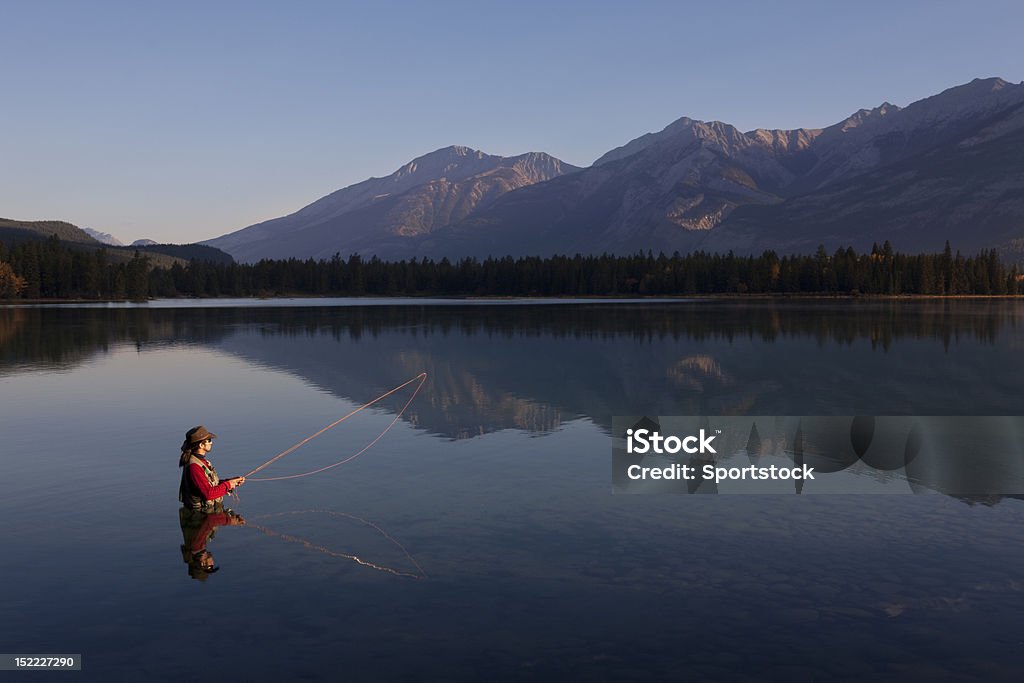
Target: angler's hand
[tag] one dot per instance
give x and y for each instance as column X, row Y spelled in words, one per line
column 235, row 482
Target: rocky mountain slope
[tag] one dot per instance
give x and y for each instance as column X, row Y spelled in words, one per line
column 947, row 167
column 383, row 215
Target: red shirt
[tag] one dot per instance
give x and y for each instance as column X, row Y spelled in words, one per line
column 201, row 484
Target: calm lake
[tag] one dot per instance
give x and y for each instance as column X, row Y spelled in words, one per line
column 479, row 538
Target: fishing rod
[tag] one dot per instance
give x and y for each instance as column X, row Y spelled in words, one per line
column 422, row 377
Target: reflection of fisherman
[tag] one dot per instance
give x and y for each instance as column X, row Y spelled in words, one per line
column 201, row 488
column 197, row 529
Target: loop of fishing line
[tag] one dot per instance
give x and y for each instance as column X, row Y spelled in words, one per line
column 422, row 377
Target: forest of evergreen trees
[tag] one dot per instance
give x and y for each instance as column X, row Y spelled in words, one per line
column 51, row 270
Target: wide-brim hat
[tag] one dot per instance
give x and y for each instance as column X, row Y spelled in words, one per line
column 197, row 434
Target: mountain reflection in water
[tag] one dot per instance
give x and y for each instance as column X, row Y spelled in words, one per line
column 534, row 367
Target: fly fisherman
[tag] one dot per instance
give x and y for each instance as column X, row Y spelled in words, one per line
column 201, row 488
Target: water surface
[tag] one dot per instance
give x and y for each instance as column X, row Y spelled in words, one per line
column 489, row 543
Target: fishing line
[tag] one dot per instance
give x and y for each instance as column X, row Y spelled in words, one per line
column 270, row 532
column 422, row 377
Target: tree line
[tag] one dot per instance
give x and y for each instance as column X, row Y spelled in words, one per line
column 51, row 270
column 54, row 269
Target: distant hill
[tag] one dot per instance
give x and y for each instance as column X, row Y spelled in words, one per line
column 164, row 255
column 43, row 229
column 187, row 252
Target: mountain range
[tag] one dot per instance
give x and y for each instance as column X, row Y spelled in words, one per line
column 948, row 167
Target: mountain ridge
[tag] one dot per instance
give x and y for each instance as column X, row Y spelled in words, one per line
column 679, row 189
column 692, row 185
column 429, row 191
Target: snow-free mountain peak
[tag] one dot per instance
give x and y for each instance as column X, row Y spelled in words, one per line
column 424, row 194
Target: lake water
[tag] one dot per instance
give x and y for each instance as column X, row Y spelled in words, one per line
column 489, row 543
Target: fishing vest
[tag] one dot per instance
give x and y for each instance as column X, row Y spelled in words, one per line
column 189, row 496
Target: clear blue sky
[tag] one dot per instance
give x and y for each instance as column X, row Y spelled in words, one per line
column 183, row 121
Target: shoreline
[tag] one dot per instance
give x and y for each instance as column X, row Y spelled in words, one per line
column 479, row 298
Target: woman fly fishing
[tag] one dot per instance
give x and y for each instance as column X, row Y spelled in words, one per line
column 201, row 488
